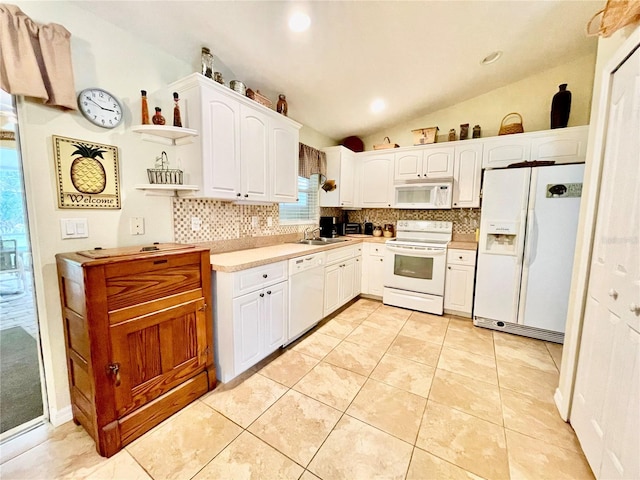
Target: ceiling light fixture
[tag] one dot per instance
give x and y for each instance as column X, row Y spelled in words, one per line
column 491, row 58
column 378, row 105
column 299, row 22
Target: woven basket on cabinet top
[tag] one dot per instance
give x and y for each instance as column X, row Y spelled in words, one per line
column 510, row 128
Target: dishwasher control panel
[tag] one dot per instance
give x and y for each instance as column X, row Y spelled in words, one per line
column 300, row 264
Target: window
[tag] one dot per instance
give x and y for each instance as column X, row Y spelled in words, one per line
column 306, row 209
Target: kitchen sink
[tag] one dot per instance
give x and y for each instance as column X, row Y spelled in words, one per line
column 321, row 241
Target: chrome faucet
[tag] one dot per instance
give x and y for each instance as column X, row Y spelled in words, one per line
column 308, row 231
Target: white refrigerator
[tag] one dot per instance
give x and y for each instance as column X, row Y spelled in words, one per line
column 525, row 255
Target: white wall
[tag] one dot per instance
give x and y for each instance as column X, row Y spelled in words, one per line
column 315, row 139
column 607, row 48
column 107, row 57
column 530, row 97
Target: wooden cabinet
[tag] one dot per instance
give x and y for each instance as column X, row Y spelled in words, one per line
column 251, row 309
column 340, row 280
column 139, row 337
column 563, row 145
column 459, row 282
column 373, row 269
column 376, row 185
column 424, row 163
column 467, row 176
column 246, row 152
column 341, row 168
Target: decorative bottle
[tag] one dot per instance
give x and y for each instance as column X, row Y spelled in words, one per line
column 281, row 106
column 452, row 135
column 476, row 131
column 145, row 108
column 464, row 131
column 158, row 119
column 177, row 121
column 561, row 107
column 207, row 62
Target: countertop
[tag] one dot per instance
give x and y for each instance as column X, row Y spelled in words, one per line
column 254, row 257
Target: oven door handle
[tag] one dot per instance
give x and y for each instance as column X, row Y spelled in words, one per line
column 417, row 252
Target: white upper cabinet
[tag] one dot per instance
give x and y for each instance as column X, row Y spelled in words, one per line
column 562, row 145
column 246, row 152
column 284, row 163
column 438, row 162
column 424, row 163
column 376, row 184
column 467, row 175
column 408, row 165
column 254, row 155
column 341, row 169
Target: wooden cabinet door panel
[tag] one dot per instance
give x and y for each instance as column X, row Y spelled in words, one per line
column 156, row 352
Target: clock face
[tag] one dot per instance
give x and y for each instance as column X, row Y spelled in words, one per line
column 100, row 107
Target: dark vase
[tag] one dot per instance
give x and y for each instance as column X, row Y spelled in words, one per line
column 561, row 107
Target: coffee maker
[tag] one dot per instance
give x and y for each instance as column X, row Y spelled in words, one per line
column 328, row 227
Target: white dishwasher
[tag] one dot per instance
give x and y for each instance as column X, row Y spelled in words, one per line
column 306, row 293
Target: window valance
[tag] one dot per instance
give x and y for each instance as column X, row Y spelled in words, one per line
column 35, row 59
column 311, row 161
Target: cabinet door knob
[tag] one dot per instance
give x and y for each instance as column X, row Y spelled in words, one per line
column 262, row 294
column 418, row 174
column 268, row 292
column 246, row 195
column 265, row 275
column 634, row 308
column 238, row 194
column 382, row 260
column 613, row 294
column 449, row 268
column 460, row 257
column 203, row 308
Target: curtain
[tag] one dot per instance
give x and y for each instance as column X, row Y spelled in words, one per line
column 35, row 59
column 311, row 161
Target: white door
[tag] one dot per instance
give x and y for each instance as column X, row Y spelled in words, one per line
column 552, row 223
column 284, row 163
column 332, row 288
column 276, row 309
column 605, row 412
column 248, row 331
column 438, row 162
column 467, row 174
column 498, row 273
column 376, row 187
column 220, row 146
column 254, row 154
column 408, row 166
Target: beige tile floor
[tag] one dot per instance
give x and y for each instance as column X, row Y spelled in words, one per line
column 375, row 392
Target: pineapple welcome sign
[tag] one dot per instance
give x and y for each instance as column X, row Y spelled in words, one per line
column 87, row 174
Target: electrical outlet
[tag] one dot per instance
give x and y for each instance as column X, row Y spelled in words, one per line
column 136, row 225
column 254, row 222
column 269, row 221
column 196, row 224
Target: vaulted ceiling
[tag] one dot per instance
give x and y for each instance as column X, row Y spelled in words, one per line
column 418, row 56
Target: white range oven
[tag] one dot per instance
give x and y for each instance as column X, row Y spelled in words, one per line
column 415, row 265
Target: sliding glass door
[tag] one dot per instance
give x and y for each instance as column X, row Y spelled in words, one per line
column 21, row 379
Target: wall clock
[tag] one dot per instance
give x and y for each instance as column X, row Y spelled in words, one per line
column 100, row 107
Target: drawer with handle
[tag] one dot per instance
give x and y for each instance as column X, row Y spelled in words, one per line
column 254, row 278
column 461, row 257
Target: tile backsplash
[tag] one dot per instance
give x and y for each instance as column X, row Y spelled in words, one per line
column 229, row 221
column 465, row 221
column 225, row 220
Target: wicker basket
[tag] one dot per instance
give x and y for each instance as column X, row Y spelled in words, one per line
column 163, row 176
column 384, row 146
column 615, row 15
column 510, row 128
column 258, row 97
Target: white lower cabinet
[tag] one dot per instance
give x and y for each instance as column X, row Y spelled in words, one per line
column 340, row 279
column 459, row 282
column 373, row 269
column 249, row 326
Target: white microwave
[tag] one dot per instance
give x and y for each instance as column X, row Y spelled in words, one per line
column 432, row 195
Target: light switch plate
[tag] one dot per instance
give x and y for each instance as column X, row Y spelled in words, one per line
column 74, row 228
column 196, row 224
column 136, row 225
